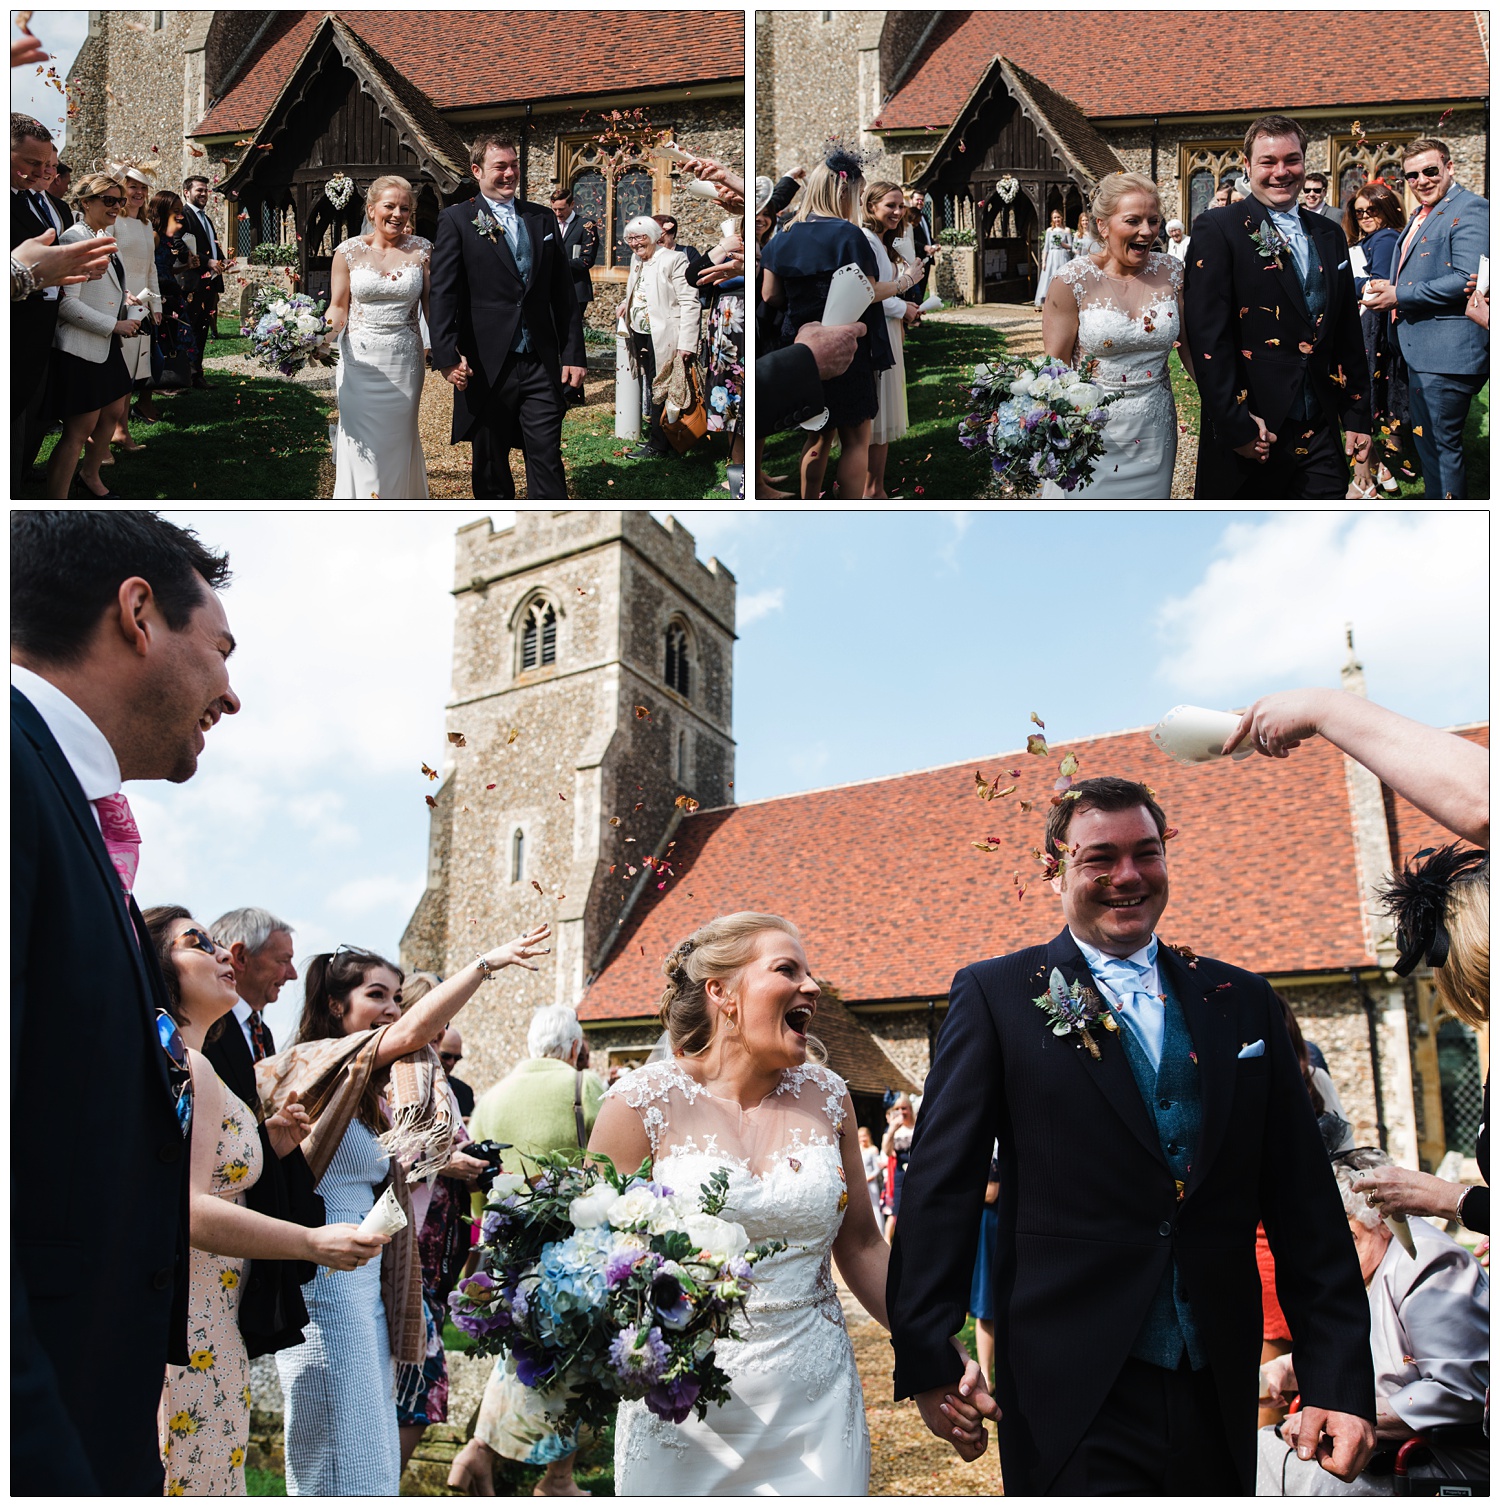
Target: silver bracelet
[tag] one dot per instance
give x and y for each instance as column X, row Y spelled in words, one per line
column 486, row 969
column 28, row 278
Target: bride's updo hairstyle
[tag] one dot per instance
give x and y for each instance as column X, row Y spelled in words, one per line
column 379, row 186
column 1112, row 188
column 719, row 950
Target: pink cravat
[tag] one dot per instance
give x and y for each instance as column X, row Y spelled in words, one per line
column 122, row 838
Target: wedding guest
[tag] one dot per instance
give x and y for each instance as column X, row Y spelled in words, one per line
column 1315, row 197
column 1057, row 252
column 896, row 1144
column 203, row 301
column 143, row 290
column 62, row 181
column 1429, row 1342
column 39, row 263
column 869, row 1155
column 177, row 347
column 1085, row 242
column 694, row 257
column 798, row 268
column 56, row 197
column 884, row 215
column 922, row 238
column 205, row 1406
column 1447, row 357
column 1372, row 226
column 580, row 242
column 118, row 651
column 1443, row 775
column 382, row 1116
column 789, row 382
column 450, row 1053
column 982, row 1289
column 662, row 313
column 546, row 1103
column 34, row 319
column 1440, row 903
column 89, row 380
column 1178, row 240
column 721, row 279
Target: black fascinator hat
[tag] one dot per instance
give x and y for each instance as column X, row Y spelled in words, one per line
column 1417, row 900
column 841, row 159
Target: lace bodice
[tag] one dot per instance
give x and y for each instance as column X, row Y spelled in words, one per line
column 383, row 304
column 1129, row 324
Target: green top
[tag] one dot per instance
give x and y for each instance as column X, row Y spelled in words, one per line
column 532, row 1109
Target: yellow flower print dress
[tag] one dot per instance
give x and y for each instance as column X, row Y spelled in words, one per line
column 204, row 1424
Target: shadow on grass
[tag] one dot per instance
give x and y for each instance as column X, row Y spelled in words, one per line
column 597, row 467
column 928, row 461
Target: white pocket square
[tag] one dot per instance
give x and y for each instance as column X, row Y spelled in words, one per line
column 547, row 238
column 1341, row 266
column 1253, row 1049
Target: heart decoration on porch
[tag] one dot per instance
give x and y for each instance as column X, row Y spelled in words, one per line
column 339, row 190
column 1007, row 189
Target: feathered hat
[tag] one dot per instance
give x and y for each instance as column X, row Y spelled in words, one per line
column 1417, row 901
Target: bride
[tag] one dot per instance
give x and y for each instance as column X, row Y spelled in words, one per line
column 740, row 1092
column 1123, row 306
column 379, row 280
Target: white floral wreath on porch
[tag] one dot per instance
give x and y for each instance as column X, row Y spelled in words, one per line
column 339, row 190
column 1007, row 189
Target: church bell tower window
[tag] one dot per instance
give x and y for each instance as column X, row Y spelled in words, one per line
column 677, row 658
column 517, row 856
column 539, row 636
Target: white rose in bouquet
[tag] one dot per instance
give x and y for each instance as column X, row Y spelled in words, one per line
column 633, row 1207
column 504, row 1185
column 668, row 1213
column 1082, row 395
column 722, row 1239
column 593, row 1208
column 1022, row 387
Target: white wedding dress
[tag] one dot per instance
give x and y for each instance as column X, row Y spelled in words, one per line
column 381, row 369
column 1130, row 325
column 794, row 1424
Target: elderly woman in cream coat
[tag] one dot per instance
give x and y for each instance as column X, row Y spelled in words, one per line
column 661, row 313
column 1429, row 1342
column 90, row 381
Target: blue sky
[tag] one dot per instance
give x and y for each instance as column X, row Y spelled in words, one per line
column 870, row 643
column 62, row 33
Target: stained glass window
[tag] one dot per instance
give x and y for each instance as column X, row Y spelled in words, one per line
column 632, row 198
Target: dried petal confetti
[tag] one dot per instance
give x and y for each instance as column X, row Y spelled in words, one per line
column 1037, row 746
column 1038, row 721
column 458, row 740
column 430, row 801
column 1069, row 766
column 431, row 773
column 614, row 821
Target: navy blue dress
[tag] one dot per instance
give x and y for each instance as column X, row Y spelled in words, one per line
column 1389, row 396
column 805, row 256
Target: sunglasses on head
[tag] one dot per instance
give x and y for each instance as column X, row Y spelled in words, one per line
column 199, row 939
column 1430, row 171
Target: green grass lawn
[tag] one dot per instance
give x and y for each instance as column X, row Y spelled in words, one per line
column 597, row 467
column 264, row 1483
column 928, row 460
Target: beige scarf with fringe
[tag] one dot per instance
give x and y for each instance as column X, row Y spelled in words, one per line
column 330, row 1078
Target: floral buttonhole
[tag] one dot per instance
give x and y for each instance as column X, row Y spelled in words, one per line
column 1072, row 1009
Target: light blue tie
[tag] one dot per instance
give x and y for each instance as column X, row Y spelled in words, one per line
column 1142, row 1010
column 1290, row 225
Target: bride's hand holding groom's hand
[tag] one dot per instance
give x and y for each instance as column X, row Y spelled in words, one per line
column 1258, row 449
column 458, row 375
column 956, row 1413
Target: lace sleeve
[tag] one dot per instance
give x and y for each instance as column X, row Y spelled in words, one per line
column 1174, row 274
column 827, row 1084
column 1073, row 275
column 352, row 249
column 648, row 1089
column 422, row 247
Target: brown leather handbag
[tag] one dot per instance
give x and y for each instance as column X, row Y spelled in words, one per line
column 691, row 423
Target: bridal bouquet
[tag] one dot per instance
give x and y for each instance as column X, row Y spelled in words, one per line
column 1037, row 418
column 286, row 331
column 597, row 1287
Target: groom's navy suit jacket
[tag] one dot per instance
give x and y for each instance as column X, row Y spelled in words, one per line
column 1253, row 341
column 99, row 1167
column 477, row 296
column 1090, row 1216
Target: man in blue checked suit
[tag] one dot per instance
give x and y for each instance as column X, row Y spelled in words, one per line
column 1150, row 1112
column 1447, row 354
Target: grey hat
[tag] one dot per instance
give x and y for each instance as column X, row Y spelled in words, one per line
column 763, row 188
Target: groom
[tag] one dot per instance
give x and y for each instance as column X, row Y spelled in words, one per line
column 507, row 331
column 1126, row 1294
column 1272, row 330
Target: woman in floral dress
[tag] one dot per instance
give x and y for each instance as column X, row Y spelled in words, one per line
column 723, row 353
column 204, row 1422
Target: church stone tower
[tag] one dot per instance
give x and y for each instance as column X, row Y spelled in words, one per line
column 592, row 674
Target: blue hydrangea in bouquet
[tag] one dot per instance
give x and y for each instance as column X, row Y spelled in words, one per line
column 287, row 330
column 1039, row 420
column 598, row 1287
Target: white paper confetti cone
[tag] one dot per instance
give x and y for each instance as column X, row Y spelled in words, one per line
column 1196, row 735
column 386, row 1218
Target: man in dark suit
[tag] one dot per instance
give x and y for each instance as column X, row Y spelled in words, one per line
column 1136, row 1158
column 204, row 309
column 507, row 331
column 922, row 238
column 272, row 1311
column 1272, row 335
column 580, row 240
column 118, row 651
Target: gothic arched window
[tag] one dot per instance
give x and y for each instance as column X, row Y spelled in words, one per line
column 539, row 635
column 676, row 673
column 517, row 856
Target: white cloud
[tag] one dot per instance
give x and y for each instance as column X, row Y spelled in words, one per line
column 1269, row 612
column 759, row 604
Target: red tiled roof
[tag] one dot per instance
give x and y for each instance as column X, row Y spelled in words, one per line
column 1413, row 830
column 892, row 900
column 462, row 59
column 1198, row 61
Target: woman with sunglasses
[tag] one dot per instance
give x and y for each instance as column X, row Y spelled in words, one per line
column 90, row 380
column 1372, row 223
column 205, row 1411
column 383, row 1117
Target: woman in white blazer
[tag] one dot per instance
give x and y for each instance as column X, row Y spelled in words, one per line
column 138, row 253
column 90, row 381
column 661, row 312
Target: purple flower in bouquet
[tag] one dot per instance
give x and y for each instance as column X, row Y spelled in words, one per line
column 673, row 1400
column 624, row 1261
column 638, row 1360
column 740, row 1269
column 672, row 1303
column 532, row 1368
